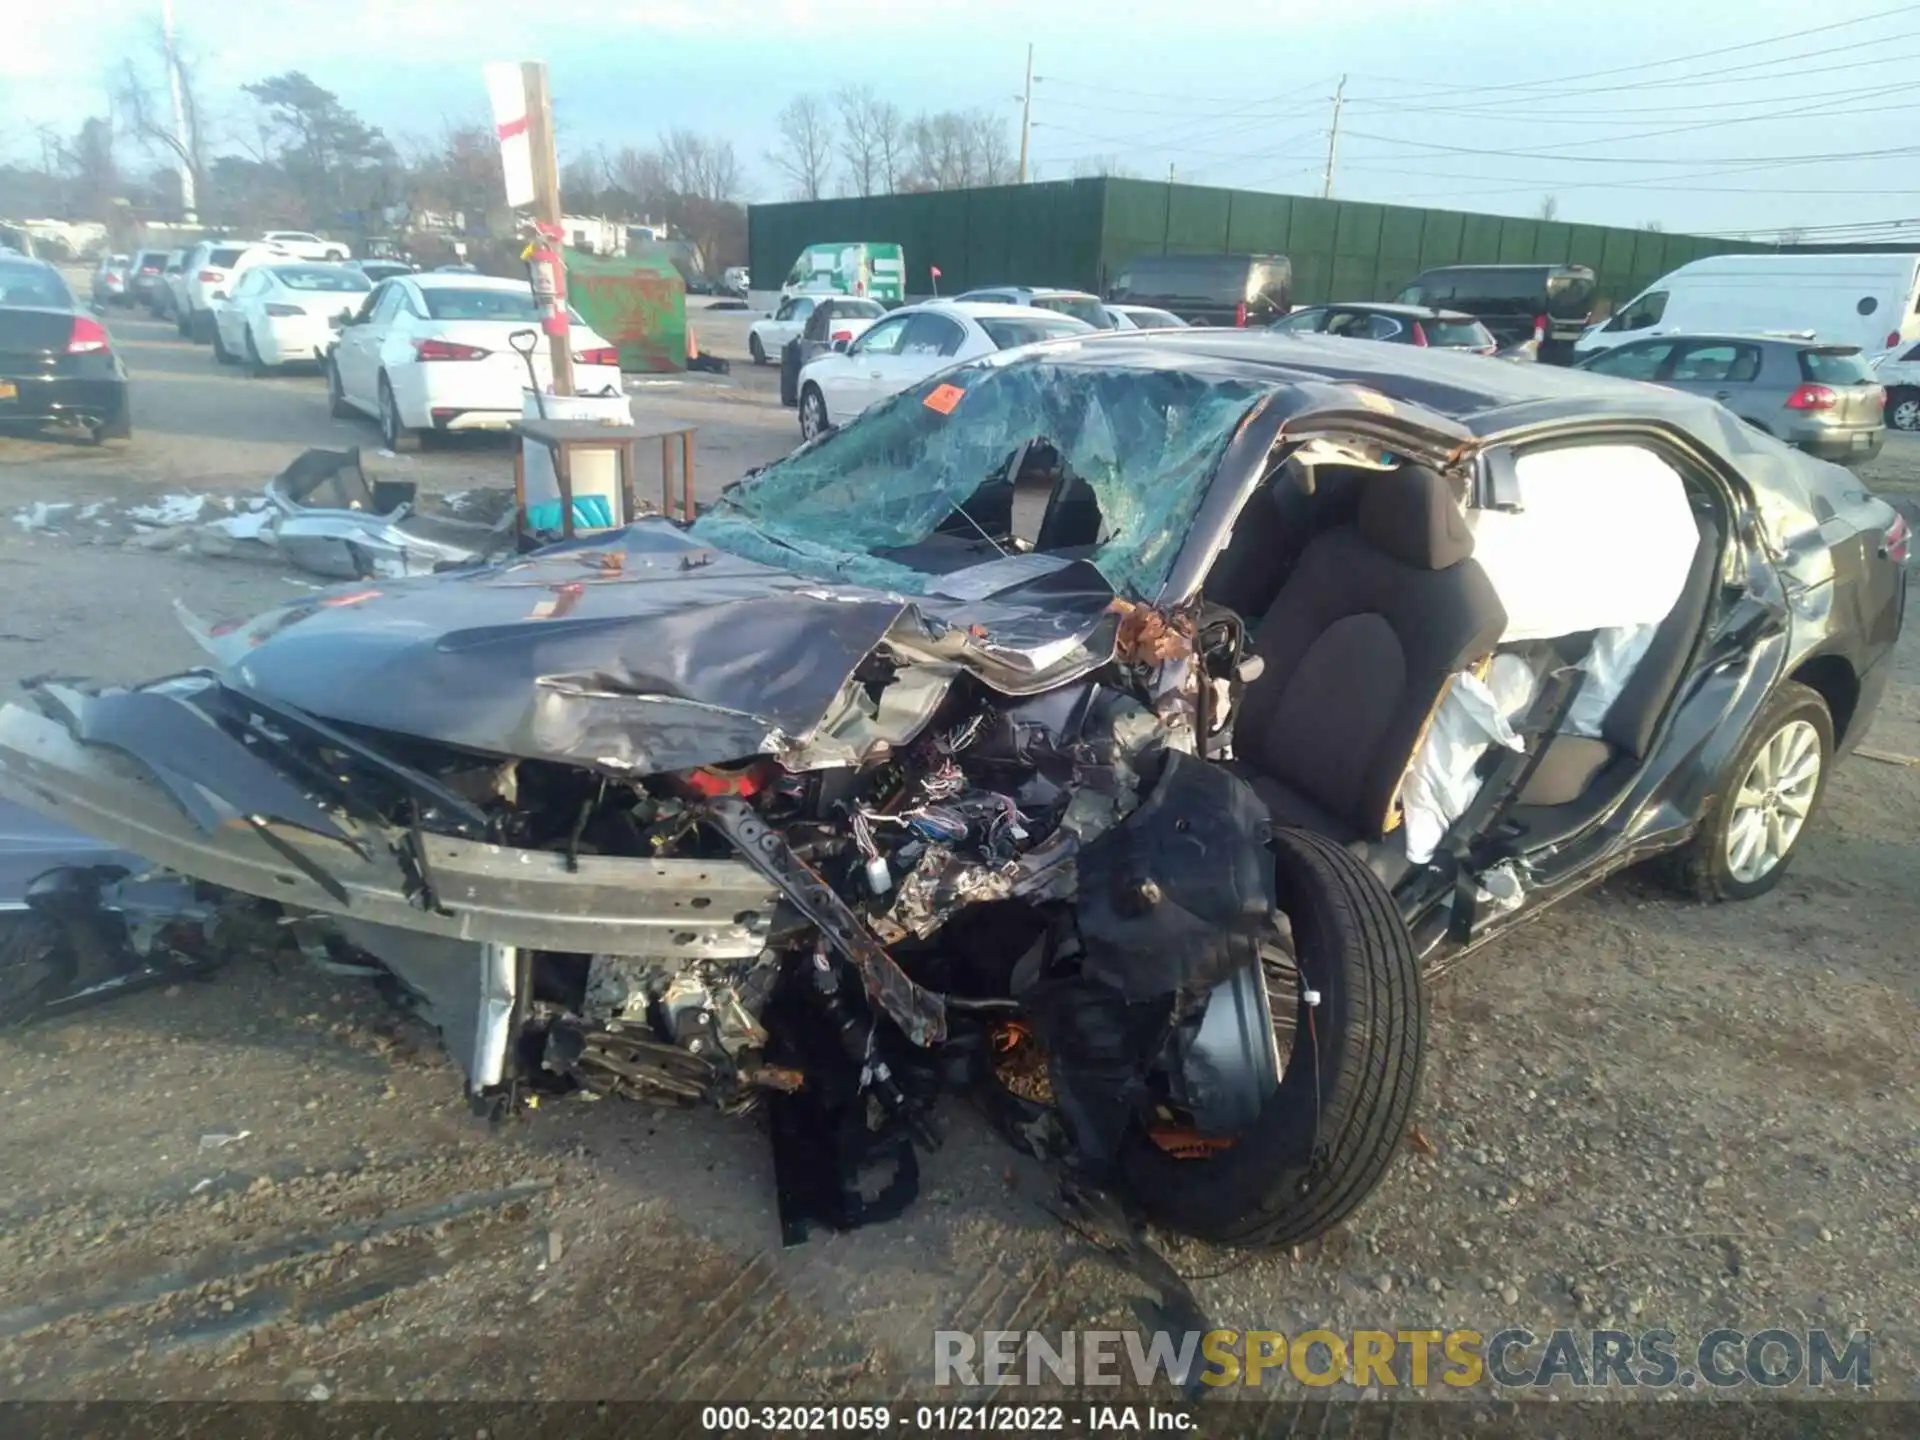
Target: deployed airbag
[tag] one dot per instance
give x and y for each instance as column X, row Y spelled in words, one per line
column 1444, row 776
column 1603, row 541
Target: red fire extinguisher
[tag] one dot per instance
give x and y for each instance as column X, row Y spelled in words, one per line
column 548, row 274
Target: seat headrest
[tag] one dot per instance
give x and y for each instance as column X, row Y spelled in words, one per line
column 1410, row 514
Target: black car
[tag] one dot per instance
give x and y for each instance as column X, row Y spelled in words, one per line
column 1093, row 728
column 821, row 335
column 57, row 362
column 1546, row 305
column 1395, row 324
column 1237, row 290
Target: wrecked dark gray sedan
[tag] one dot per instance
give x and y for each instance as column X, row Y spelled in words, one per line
column 1114, row 728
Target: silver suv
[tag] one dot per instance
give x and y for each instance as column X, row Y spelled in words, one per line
column 1824, row 399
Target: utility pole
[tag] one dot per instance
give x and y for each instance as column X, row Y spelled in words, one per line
column 546, row 204
column 1026, row 114
column 189, row 198
column 1333, row 139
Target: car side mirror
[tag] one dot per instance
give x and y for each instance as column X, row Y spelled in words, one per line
column 219, row 295
column 842, row 345
column 97, row 308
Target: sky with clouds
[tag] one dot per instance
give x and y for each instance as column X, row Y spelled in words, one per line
column 1489, row 105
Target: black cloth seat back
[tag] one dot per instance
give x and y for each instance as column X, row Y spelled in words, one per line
column 1360, row 645
column 1631, row 719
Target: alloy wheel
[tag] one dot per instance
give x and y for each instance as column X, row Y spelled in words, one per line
column 1774, row 799
column 389, row 417
column 1905, row 412
column 813, row 415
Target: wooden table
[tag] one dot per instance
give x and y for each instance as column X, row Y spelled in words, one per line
column 564, row 437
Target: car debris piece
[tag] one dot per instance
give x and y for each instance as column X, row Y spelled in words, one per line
column 328, row 518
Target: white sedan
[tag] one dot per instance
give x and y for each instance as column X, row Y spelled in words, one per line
column 283, row 314
column 428, row 353
column 769, row 335
column 912, row 343
column 1143, row 317
column 304, row 245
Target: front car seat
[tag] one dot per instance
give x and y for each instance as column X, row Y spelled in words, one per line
column 1357, row 651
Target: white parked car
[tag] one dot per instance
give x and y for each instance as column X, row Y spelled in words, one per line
column 912, row 343
column 433, row 352
column 769, row 335
column 1899, row 371
column 1144, row 317
column 303, row 245
column 283, row 314
column 1078, row 303
column 212, row 269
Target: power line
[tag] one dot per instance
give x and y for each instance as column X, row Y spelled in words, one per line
column 1616, row 116
column 1560, row 82
column 1635, row 159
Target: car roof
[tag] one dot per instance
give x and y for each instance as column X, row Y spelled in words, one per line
column 1381, row 307
column 463, row 280
column 987, row 309
column 1743, row 337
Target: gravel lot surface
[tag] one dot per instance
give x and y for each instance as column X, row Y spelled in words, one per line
column 1639, row 1112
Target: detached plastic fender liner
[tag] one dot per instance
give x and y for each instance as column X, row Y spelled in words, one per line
column 1317, row 1151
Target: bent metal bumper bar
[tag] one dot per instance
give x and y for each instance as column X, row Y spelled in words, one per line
column 491, row 894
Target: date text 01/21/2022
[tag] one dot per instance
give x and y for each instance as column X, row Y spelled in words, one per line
column 938, row 1419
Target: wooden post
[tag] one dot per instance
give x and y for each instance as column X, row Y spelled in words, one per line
column 546, row 197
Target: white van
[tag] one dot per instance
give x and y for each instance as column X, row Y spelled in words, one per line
column 1872, row 301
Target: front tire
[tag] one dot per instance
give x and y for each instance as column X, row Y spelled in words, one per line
column 393, row 433
column 756, row 350
column 1324, row 1140
column 1753, row 825
column 1903, row 409
column 813, row 413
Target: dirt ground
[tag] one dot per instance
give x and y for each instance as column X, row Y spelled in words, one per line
column 1638, row 1111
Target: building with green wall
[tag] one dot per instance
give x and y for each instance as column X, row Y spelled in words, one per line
column 1081, row 233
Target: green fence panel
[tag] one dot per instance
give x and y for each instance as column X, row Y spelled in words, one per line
column 1480, row 240
column 1258, row 224
column 1082, row 232
column 639, row 302
column 1135, row 222
column 1518, row 240
column 1552, row 242
column 1197, row 218
column 1587, row 245
column 1442, row 239
column 1401, row 229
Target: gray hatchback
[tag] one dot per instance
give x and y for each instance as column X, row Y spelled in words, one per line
column 1823, row 399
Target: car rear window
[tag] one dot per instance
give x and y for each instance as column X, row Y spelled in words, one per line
column 1569, row 297
column 1220, row 279
column 33, row 285
column 1007, row 333
column 857, row 309
column 1457, row 334
column 321, row 277
column 1080, row 307
column 224, row 258
column 1835, row 367
column 450, row 304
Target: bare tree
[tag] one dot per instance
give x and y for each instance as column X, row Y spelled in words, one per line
column 805, row 152
column 1792, row 235
column 871, row 141
column 1549, row 207
column 700, row 166
column 1088, row 166
column 954, row 149
column 143, row 115
column 1656, row 226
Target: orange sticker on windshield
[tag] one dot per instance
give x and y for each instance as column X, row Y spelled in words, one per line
column 943, row 398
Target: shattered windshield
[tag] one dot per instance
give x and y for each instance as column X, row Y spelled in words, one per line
column 1121, row 458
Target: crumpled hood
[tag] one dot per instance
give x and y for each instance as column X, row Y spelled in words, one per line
column 644, row 651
